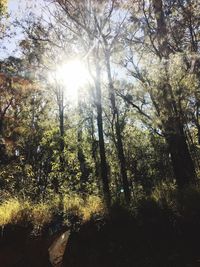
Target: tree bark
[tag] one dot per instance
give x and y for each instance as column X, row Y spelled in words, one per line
column 62, row 143
column 103, row 161
column 2, row 143
column 183, row 165
column 119, row 142
column 1, row 127
column 60, row 103
column 81, row 157
column 163, row 47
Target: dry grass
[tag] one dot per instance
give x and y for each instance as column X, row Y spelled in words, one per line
column 84, row 208
column 93, row 205
column 13, row 211
column 41, row 214
column 9, row 211
column 16, row 211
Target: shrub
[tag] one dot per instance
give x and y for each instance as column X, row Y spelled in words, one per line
column 14, row 211
column 165, row 195
column 92, row 206
column 73, row 207
column 41, row 214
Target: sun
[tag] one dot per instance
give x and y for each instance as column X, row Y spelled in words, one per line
column 73, row 76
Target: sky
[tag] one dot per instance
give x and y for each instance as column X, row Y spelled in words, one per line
column 17, row 9
column 13, row 5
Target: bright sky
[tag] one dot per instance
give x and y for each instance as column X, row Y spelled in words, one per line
column 12, row 5
column 18, row 9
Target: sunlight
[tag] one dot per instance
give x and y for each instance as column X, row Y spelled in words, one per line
column 73, row 75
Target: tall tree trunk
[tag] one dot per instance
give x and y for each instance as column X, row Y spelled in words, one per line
column 122, row 161
column 183, row 165
column 62, row 147
column 119, row 142
column 94, row 147
column 81, row 157
column 103, row 162
column 2, row 143
column 196, row 119
column 1, row 127
column 62, row 143
column 60, row 102
column 163, row 47
column 82, row 162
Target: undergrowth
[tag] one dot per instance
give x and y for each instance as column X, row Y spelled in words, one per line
column 165, row 202
column 18, row 211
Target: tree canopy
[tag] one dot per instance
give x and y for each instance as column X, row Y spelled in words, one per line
column 102, row 98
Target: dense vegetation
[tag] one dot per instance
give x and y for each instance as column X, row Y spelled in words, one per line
column 125, row 139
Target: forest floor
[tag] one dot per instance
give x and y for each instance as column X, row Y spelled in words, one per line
column 118, row 241
column 162, row 230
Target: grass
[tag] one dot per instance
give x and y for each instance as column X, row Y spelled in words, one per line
column 19, row 212
column 9, row 211
column 165, row 198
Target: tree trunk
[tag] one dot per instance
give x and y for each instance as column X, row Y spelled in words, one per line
column 61, row 140
column 81, row 157
column 2, row 143
column 94, row 147
column 119, row 143
column 62, row 143
column 103, row 162
column 163, row 47
column 183, row 166
column 1, row 127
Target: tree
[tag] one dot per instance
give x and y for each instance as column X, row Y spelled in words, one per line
column 76, row 25
column 160, row 42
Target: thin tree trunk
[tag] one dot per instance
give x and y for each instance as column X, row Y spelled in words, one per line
column 94, row 147
column 103, row 162
column 2, row 143
column 119, row 142
column 61, row 139
column 1, row 127
column 62, row 144
column 81, row 157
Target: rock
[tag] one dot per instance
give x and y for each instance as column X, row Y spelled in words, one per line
column 57, row 249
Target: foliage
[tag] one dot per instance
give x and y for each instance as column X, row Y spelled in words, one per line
column 132, row 134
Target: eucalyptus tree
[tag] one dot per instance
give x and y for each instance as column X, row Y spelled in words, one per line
column 110, row 29
column 57, row 47
column 164, row 34
column 77, row 17
column 99, row 22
